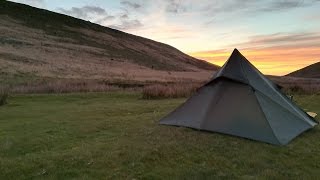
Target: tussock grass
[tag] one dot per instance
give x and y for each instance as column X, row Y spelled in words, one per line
column 70, row 86
column 298, row 85
column 295, row 88
column 185, row 89
column 4, row 94
column 176, row 90
column 172, row 88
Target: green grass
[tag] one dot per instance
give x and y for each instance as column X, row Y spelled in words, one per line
column 117, row 136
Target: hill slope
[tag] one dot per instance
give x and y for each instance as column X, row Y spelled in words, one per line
column 311, row 71
column 37, row 42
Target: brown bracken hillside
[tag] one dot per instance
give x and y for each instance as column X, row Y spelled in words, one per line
column 39, row 43
column 311, row 71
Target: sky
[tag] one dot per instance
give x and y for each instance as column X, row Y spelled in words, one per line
column 277, row 36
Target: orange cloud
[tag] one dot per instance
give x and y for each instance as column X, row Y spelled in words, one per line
column 275, row 54
column 273, row 61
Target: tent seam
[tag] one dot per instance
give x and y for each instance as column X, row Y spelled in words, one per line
column 284, row 108
column 210, row 105
column 263, row 112
column 292, row 106
column 245, row 75
column 295, row 108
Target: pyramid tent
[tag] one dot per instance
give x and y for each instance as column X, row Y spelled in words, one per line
column 239, row 100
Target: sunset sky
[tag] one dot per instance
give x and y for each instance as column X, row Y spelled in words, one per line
column 278, row 36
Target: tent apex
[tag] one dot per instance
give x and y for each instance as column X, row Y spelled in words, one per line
column 236, row 51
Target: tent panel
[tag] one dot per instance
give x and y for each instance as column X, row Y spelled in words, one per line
column 232, row 69
column 266, row 87
column 285, row 125
column 238, row 113
column 191, row 113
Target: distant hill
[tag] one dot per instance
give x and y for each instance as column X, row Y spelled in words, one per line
column 311, row 71
column 39, row 43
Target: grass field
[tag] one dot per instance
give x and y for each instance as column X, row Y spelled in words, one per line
column 117, row 136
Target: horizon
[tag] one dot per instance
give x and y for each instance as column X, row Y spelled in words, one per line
column 278, row 37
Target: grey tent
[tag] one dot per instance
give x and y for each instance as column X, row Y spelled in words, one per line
column 239, row 100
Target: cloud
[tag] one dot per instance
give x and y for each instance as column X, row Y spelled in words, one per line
column 105, row 20
column 168, row 32
column 220, row 6
column 175, row 6
column 278, row 53
column 276, row 40
column 245, row 7
column 303, row 39
column 130, row 4
column 127, row 25
column 284, row 5
column 84, row 12
column 125, row 22
column 35, row 3
column 121, row 21
column 269, row 60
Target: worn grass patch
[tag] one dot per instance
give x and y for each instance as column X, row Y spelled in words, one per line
column 117, row 136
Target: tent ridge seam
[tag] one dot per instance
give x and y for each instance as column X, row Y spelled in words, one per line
column 245, row 74
column 207, row 109
column 300, row 116
column 264, row 115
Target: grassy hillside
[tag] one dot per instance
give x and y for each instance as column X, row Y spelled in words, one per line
column 117, row 136
column 39, row 43
column 311, row 71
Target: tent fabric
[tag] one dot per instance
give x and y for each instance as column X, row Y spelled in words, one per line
column 239, row 100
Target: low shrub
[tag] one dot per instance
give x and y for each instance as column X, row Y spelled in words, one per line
column 3, row 97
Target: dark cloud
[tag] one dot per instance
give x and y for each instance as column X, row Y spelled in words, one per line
column 94, row 9
column 303, row 39
column 130, row 4
column 253, row 6
column 127, row 25
column 286, row 38
column 35, row 3
column 124, row 16
column 175, row 6
column 227, row 9
column 284, row 5
column 125, row 22
column 99, row 15
column 84, row 12
column 230, row 6
column 104, row 20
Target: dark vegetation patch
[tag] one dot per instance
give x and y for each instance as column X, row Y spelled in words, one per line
column 13, row 42
column 16, row 78
column 4, row 94
column 177, row 90
column 74, row 85
column 21, row 59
